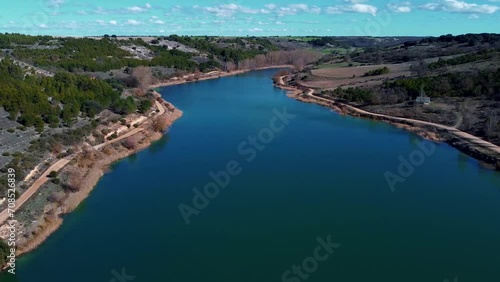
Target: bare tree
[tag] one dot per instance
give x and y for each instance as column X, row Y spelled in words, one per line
column 160, row 124
column 74, row 180
column 56, row 148
column 491, row 127
column 144, row 76
column 130, row 143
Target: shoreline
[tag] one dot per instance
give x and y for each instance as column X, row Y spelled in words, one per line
column 473, row 146
column 211, row 75
column 99, row 168
column 92, row 174
column 50, row 223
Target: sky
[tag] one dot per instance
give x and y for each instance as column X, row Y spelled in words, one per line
column 249, row 17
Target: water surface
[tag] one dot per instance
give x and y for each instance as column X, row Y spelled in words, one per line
column 322, row 175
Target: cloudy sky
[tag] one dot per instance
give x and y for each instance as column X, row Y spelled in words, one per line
column 249, row 17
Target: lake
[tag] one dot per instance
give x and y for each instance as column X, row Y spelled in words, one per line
column 278, row 190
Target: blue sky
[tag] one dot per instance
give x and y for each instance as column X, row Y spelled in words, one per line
column 244, row 17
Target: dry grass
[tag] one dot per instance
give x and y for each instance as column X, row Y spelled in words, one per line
column 331, row 78
column 348, row 72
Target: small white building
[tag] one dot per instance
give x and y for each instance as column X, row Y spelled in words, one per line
column 423, row 99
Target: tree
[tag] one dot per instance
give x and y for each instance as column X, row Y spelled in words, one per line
column 130, row 143
column 160, row 124
column 144, row 76
column 4, row 252
column 491, row 127
column 74, row 180
column 144, row 106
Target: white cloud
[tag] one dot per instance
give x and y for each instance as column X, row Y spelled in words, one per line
column 363, row 8
column 159, row 22
column 136, row 9
column 400, row 8
column 55, row 3
column 113, row 22
column 354, row 8
column 430, row 6
column 355, row 1
column 473, row 17
column 133, row 22
column 42, row 26
column 230, row 10
column 256, row 29
column 457, row 6
column 148, row 6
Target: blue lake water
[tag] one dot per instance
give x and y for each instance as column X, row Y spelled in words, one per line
column 320, row 177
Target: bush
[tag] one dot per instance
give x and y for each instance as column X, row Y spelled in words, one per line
column 4, row 252
column 52, row 174
column 375, row 72
column 159, row 124
column 11, row 130
column 144, row 106
column 5, row 154
column 56, row 181
column 130, row 143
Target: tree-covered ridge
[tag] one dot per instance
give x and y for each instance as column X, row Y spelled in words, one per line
column 482, row 84
column 91, row 55
column 81, row 54
column 35, row 101
column 469, row 38
column 225, row 54
column 463, row 59
column 13, row 39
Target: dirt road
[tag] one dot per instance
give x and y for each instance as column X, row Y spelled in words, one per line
column 58, row 165
column 37, row 184
column 469, row 137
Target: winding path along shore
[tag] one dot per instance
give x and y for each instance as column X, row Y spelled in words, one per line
column 468, row 143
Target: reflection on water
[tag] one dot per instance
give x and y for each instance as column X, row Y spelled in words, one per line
column 158, row 146
column 132, row 158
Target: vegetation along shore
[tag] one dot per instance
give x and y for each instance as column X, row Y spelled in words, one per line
column 70, row 107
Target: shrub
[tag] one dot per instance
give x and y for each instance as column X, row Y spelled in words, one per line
column 11, row 130
column 130, row 143
column 375, row 72
column 5, row 154
column 52, row 174
column 56, row 181
column 159, row 124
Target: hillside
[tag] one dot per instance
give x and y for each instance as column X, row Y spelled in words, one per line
column 460, row 74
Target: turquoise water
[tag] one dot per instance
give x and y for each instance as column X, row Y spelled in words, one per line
column 321, row 175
